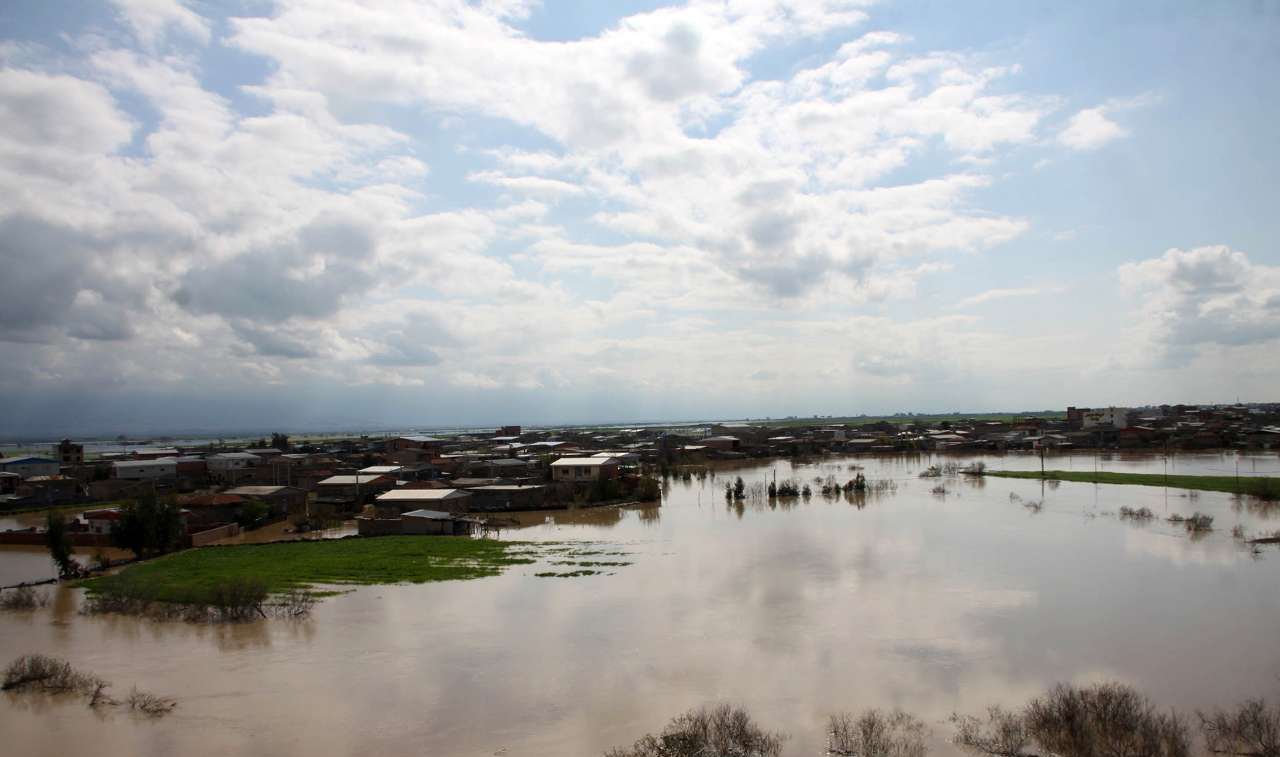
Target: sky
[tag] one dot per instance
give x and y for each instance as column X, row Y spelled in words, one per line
column 307, row 215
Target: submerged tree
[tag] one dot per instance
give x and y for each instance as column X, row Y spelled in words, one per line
column 148, row 526
column 59, row 543
column 1251, row 730
column 1104, row 720
column 707, row 732
column 877, row 734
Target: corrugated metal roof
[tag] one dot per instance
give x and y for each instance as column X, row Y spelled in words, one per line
column 258, row 491
column 413, row 495
column 349, row 480
column 145, row 463
column 429, row 515
column 584, row 461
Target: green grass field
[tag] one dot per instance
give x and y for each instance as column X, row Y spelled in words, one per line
column 192, row 576
column 1258, row 486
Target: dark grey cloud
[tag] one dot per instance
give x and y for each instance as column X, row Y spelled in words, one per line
column 310, row 275
column 47, row 267
column 272, row 341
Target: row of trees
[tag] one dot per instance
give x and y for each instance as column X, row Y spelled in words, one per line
column 148, row 526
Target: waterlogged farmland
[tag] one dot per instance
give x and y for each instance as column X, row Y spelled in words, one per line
column 931, row 594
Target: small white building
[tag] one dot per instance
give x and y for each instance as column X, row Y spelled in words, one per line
column 1116, row 417
column 101, row 521
column 228, row 461
column 28, row 467
column 584, row 469
column 165, row 468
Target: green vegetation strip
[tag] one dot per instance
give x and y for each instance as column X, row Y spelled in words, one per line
column 1258, row 486
column 194, row 576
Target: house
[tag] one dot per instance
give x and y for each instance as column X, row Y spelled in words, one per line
column 351, row 492
column 421, row 522
column 434, row 522
column 163, row 469
column 231, row 467
column 280, row 500
column 722, row 443
column 1115, row 417
column 507, row 497
column 451, row 500
column 9, row 482
column 584, row 469
column 382, row 470
column 630, row 457
column 505, row 466
column 211, row 509
column 69, row 453
column 401, row 443
column 101, row 521
column 29, row 466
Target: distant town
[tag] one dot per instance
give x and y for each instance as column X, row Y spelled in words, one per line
column 436, row 484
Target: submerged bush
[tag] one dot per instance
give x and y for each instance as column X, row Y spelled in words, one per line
column 704, row 732
column 876, row 734
column 648, row 489
column 1251, row 729
column 1199, row 522
column 1003, row 732
column 149, row 704
column 22, row 598
column 235, row 600
column 1142, row 513
column 1104, row 720
column 37, row 671
column 51, row 675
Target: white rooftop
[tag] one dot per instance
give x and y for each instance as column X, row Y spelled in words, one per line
column 416, row 495
column 583, row 461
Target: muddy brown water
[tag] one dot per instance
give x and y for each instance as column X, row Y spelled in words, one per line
column 930, row 602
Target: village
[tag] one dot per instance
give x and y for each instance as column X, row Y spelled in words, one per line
column 420, row 484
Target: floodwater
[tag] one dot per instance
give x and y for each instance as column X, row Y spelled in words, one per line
column 930, row 602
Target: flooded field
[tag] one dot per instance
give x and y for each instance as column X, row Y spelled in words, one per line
column 983, row 593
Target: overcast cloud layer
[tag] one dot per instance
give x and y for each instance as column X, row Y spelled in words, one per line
column 314, row 214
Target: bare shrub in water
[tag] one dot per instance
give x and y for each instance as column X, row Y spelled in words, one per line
column 150, row 704
column 1141, row 513
column 295, row 603
column 1199, row 522
column 1104, row 720
column 47, row 674
column 704, row 732
column 238, row 599
column 877, row 734
column 1002, row 733
column 1251, row 730
column 22, row 598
